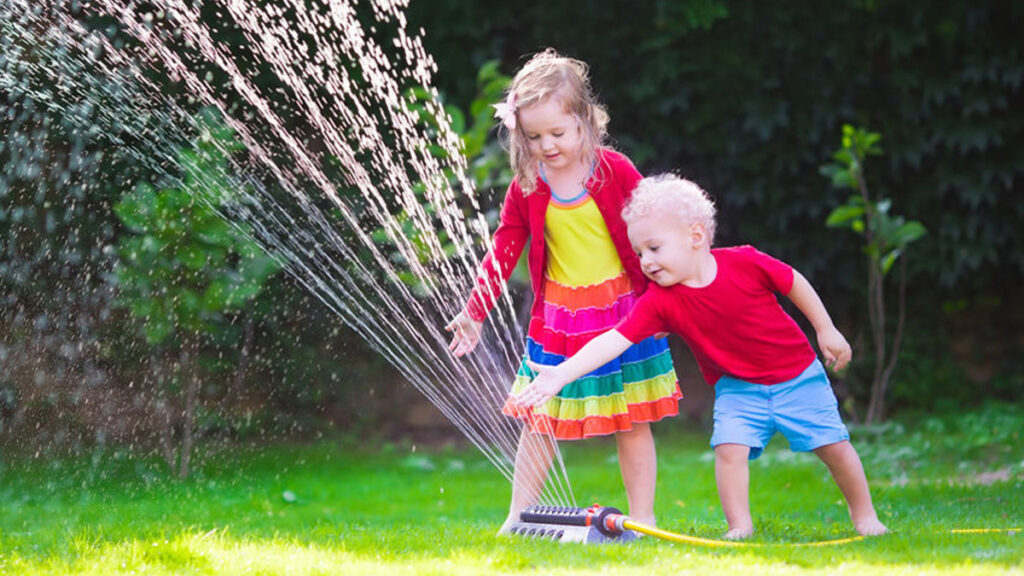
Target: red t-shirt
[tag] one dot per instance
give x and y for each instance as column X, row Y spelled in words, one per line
column 735, row 325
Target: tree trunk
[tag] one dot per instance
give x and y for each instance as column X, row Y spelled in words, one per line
column 163, row 375
column 876, row 311
column 897, row 340
column 248, row 335
column 190, row 371
column 872, row 323
column 876, row 307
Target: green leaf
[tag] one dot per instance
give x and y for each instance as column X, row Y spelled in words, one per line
column 844, row 215
column 888, row 260
column 458, row 122
column 135, row 209
column 259, row 267
column 193, row 257
column 909, row 232
column 487, row 71
column 844, row 157
column 158, row 328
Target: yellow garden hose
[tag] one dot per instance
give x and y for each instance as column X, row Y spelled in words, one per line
column 684, row 539
column 985, row 530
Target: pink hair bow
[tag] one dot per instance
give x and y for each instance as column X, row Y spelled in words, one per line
column 506, row 111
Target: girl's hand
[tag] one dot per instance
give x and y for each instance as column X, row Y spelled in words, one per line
column 466, row 334
column 544, row 387
column 835, row 349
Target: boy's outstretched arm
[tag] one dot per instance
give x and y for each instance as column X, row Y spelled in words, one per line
column 551, row 379
column 834, row 347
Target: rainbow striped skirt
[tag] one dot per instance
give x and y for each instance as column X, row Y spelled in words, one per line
column 638, row 386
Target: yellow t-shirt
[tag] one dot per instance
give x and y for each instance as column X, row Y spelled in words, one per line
column 580, row 250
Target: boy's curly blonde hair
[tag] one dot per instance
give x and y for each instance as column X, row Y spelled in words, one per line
column 549, row 74
column 670, row 194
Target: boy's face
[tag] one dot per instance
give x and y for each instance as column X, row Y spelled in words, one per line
column 669, row 250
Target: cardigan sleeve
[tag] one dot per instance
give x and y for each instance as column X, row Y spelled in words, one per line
column 623, row 181
column 628, row 176
column 509, row 240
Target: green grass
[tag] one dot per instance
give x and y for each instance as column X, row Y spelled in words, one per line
column 346, row 508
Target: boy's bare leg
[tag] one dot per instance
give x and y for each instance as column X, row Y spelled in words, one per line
column 844, row 464
column 733, row 477
column 533, row 458
column 638, row 461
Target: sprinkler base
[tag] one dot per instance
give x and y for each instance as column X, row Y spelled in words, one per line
column 564, row 533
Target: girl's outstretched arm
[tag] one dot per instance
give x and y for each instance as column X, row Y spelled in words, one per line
column 834, row 347
column 551, row 379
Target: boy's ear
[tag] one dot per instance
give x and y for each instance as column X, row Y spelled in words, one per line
column 700, row 235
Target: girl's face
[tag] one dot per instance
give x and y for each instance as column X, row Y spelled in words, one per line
column 553, row 136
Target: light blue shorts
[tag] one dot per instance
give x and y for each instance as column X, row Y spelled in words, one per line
column 804, row 409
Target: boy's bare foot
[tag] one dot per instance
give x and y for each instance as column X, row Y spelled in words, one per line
column 738, row 534
column 870, row 528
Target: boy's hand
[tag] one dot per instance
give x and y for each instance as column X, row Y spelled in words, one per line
column 544, row 387
column 466, row 334
column 835, row 349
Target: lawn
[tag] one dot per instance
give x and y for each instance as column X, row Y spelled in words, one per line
column 353, row 508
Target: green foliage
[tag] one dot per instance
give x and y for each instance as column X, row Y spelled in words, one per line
column 65, row 161
column 746, row 97
column 183, row 265
column 885, row 239
column 475, row 126
column 488, row 161
column 886, row 235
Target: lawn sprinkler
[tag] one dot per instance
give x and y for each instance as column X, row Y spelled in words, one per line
column 599, row 525
column 594, row 525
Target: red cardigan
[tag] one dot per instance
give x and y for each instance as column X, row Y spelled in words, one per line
column 522, row 219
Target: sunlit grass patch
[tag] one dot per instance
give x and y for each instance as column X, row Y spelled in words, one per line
column 386, row 509
column 217, row 552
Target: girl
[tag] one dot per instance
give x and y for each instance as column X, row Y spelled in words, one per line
column 565, row 200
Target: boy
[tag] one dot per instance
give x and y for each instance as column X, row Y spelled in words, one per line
column 722, row 302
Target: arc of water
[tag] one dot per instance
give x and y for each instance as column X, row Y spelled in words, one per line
column 418, row 350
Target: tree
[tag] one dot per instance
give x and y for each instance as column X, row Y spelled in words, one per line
column 181, row 269
column 886, row 237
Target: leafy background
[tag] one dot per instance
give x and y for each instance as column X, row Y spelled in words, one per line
column 745, row 97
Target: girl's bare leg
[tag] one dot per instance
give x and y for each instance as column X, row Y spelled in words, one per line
column 844, row 464
column 733, row 477
column 638, row 461
column 533, row 458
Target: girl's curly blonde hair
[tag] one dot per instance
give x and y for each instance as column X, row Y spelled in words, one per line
column 671, row 195
column 549, row 74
